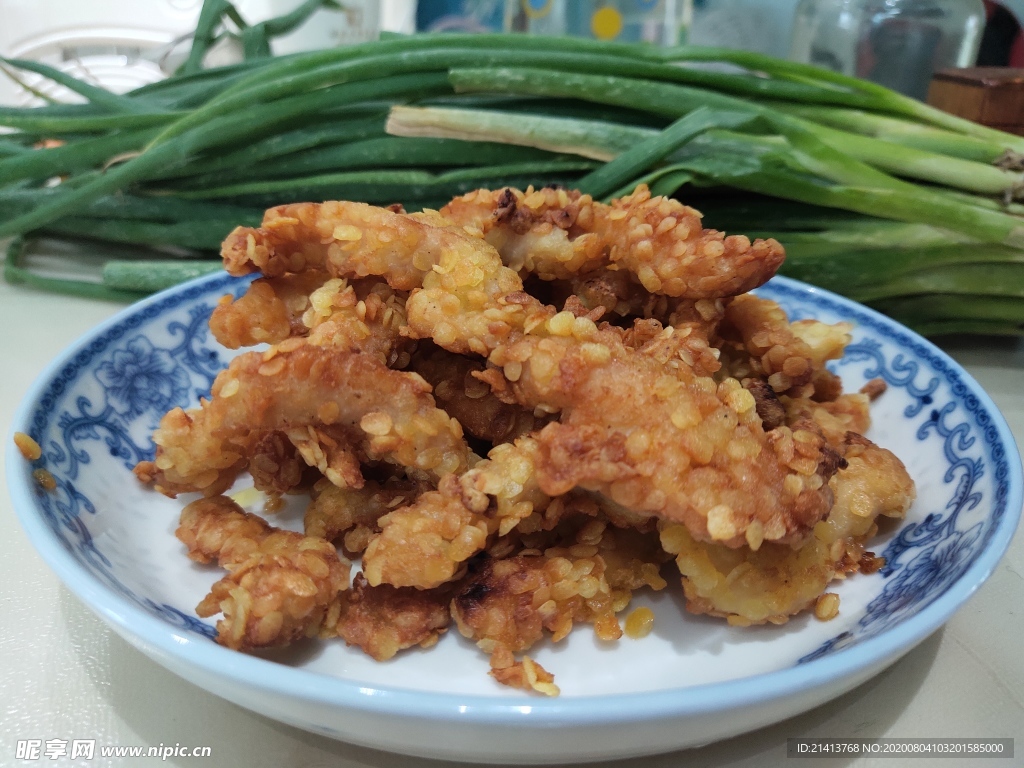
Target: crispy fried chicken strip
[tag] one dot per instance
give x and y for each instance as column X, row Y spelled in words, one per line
column 426, row 543
column 347, row 239
column 761, row 342
column 698, row 451
column 508, row 605
column 467, row 398
column 303, row 386
column 218, row 529
column 875, row 482
column 484, row 611
column 281, row 586
column 558, row 234
column 662, row 441
column 772, row 582
column 748, row 586
column 351, row 514
column 461, row 275
column 384, row 620
column 268, row 312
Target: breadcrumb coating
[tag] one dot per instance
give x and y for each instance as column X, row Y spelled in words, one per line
column 875, row 482
column 426, row 543
column 384, row 620
column 606, row 391
column 761, row 342
column 748, row 586
column 557, row 234
column 331, row 451
column 512, row 602
column 344, row 238
column 526, row 674
column 366, row 317
column 460, row 391
column 281, row 586
column 508, row 605
column 661, row 414
column 835, row 418
column 470, row 301
column 218, row 529
column 350, row 514
column 616, row 293
column 587, row 574
column 462, row 278
column 303, row 386
column 662, row 441
column 276, row 465
column 270, row 311
column 766, row 582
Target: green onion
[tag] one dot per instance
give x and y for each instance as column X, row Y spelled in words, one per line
column 17, row 274
column 813, row 171
column 250, row 156
column 216, row 133
column 899, row 131
column 92, row 93
column 378, row 152
column 154, row 275
column 613, row 174
column 596, row 140
column 883, row 99
column 874, row 195
column 390, row 185
column 76, row 156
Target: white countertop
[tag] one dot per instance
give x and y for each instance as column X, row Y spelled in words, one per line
column 64, row 675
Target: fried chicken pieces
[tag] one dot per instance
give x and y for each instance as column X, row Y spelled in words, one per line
column 512, row 465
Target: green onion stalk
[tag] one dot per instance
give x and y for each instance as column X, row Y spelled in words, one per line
column 874, row 195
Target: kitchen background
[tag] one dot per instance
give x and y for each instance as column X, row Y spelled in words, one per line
column 125, row 43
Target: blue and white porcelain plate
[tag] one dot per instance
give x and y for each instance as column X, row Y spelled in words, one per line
column 690, row 682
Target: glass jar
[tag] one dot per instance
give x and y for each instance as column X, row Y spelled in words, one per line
column 897, row 43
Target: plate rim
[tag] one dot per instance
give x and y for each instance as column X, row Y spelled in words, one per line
column 514, row 710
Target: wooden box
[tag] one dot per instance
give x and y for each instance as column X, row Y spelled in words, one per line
column 992, row 96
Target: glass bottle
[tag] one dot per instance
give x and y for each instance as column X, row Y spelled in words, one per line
column 897, row 43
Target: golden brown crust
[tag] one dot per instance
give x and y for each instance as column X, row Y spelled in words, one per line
column 281, row 586
column 384, row 620
column 346, row 239
column 286, row 591
column 268, row 312
column 764, row 582
column 662, row 413
column 662, row 441
column 512, row 602
column 275, row 464
column 304, row 386
column 760, row 341
column 349, row 515
column 558, row 234
column 459, row 390
column 218, row 529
